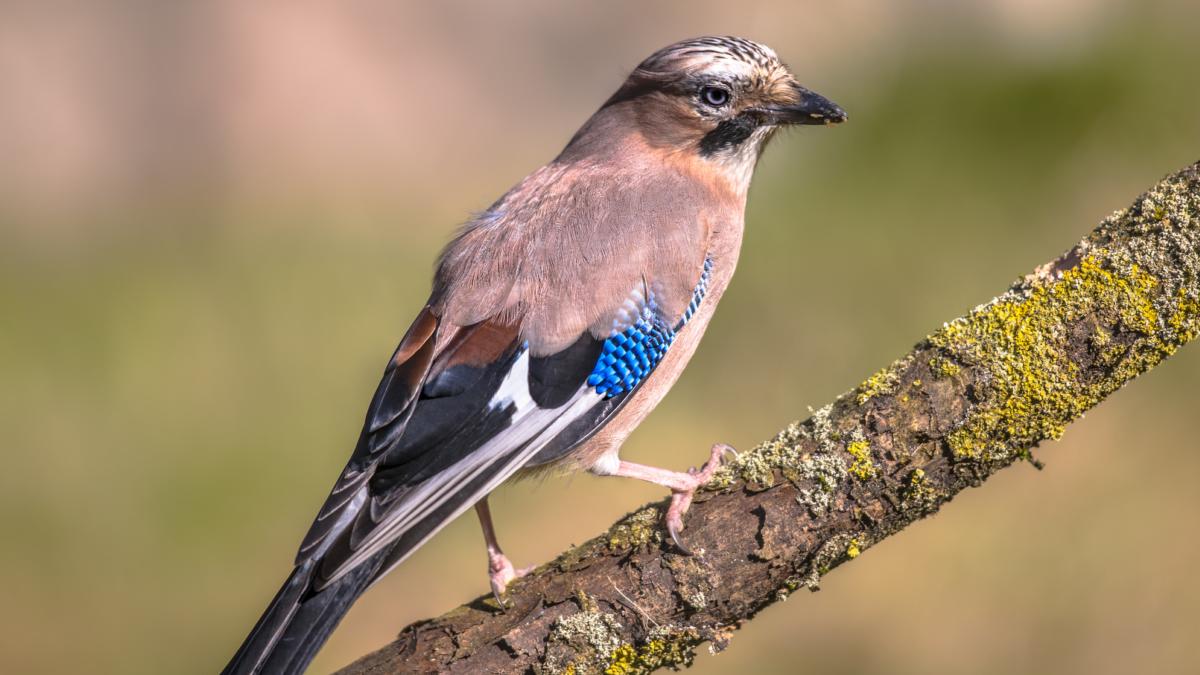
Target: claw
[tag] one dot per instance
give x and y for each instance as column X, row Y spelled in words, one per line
column 683, row 486
column 673, row 530
column 501, row 573
column 681, row 499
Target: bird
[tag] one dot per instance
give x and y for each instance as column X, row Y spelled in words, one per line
column 558, row 318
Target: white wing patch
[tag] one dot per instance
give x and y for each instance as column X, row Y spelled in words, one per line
column 514, row 388
column 531, row 428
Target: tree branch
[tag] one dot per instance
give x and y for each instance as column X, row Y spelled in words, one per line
column 968, row 400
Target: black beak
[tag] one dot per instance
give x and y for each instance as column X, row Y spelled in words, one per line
column 809, row 108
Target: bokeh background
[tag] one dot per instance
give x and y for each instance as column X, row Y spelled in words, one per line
column 217, row 218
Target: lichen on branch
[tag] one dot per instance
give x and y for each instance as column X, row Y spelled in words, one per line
column 974, row 396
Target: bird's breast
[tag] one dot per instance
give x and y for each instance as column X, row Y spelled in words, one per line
column 602, row 448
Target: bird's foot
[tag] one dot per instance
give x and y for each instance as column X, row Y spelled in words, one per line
column 501, row 573
column 681, row 497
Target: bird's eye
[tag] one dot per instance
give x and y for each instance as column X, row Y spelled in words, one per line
column 717, row 97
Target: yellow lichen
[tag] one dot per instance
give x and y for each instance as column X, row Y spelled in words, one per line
column 1035, row 388
column 666, row 647
column 943, row 367
column 1183, row 320
column 828, row 556
column 882, row 382
column 1111, row 355
column 862, row 468
column 918, row 493
column 852, row 551
column 622, row 661
column 635, row 530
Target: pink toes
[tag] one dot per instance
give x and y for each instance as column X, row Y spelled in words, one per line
column 681, row 499
column 501, row 573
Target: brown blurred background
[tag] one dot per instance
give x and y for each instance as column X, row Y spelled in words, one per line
column 217, row 218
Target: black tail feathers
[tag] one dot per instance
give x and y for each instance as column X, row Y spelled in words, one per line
column 298, row 622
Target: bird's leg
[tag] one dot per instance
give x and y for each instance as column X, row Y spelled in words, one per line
column 500, row 569
column 683, row 486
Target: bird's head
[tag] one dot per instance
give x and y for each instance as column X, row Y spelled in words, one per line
column 718, row 99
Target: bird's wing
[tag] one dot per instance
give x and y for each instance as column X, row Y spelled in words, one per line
column 387, row 417
column 459, row 410
column 547, row 312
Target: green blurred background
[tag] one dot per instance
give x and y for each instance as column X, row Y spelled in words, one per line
column 217, row 218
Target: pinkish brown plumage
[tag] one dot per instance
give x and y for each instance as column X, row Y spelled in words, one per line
column 559, row 318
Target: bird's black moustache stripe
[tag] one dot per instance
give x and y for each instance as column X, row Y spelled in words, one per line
column 729, row 133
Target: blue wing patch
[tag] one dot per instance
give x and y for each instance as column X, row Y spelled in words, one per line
column 628, row 357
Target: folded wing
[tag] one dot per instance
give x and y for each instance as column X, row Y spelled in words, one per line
column 460, row 410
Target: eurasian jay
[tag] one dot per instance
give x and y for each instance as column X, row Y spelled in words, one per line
column 559, row 317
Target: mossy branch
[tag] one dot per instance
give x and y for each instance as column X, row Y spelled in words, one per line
column 971, row 398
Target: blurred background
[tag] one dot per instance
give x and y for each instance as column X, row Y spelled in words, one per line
column 217, row 218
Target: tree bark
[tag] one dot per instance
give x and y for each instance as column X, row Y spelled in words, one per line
column 971, row 398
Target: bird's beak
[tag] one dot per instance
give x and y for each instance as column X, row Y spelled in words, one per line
column 808, row 108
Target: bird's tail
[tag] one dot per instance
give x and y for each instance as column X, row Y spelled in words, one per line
column 298, row 621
